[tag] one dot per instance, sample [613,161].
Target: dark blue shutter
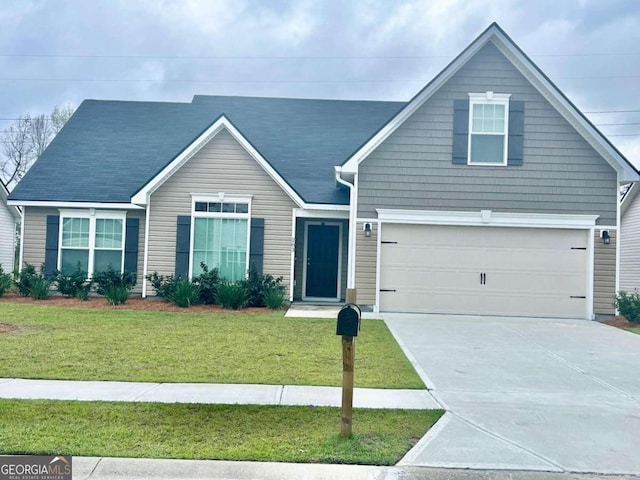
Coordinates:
[460,131]
[131,245]
[256,246]
[515,154]
[51,245]
[183,242]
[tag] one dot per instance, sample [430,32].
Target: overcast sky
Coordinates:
[57,52]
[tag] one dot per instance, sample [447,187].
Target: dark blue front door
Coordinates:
[323,248]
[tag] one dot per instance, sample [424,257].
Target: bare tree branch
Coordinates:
[25,140]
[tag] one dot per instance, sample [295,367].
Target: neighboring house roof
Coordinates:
[4,193]
[627,198]
[495,34]
[109,150]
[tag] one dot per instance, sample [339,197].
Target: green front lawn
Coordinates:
[145,346]
[194,431]
[634,330]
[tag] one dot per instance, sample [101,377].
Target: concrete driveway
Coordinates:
[524,393]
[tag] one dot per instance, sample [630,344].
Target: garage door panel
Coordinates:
[527,272]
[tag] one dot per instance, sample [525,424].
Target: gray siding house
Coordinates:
[487,193]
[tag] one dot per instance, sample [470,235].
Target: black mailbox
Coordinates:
[349,320]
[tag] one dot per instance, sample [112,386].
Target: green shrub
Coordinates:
[40,288]
[207,283]
[163,285]
[233,296]
[628,304]
[74,285]
[5,281]
[116,294]
[274,297]
[258,284]
[115,286]
[185,293]
[25,279]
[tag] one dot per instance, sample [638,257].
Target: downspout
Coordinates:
[351,271]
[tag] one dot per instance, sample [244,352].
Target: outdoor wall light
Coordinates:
[606,238]
[367,230]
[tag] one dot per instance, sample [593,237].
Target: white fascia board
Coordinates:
[304,213]
[351,165]
[222,123]
[626,173]
[487,218]
[627,200]
[98,205]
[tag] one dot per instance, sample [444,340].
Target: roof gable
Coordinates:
[495,35]
[4,193]
[110,150]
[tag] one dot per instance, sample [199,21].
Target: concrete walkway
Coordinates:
[92,468]
[212,393]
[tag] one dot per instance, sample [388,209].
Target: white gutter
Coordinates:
[351,283]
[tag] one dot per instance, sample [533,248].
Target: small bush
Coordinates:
[40,288]
[233,296]
[628,304]
[274,297]
[185,293]
[74,285]
[116,294]
[25,279]
[257,286]
[207,283]
[114,285]
[163,285]
[5,281]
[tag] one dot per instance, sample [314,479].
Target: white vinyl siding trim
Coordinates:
[241,218]
[488,119]
[7,238]
[71,243]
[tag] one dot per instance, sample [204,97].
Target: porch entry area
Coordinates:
[320,260]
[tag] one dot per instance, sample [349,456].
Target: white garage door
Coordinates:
[483,270]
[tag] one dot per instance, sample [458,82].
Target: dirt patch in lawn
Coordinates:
[620,322]
[8,328]
[134,303]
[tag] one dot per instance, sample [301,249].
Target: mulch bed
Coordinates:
[134,303]
[620,322]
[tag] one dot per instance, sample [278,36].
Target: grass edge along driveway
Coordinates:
[214,432]
[148,346]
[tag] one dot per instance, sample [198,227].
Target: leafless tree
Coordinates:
[25,140]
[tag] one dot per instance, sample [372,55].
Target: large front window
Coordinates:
[94,241]
[488,128]
[221,236]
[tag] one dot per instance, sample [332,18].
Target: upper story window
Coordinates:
[220,235]
[93,240]
[488,128]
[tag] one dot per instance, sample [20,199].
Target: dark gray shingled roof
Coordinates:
[109,150]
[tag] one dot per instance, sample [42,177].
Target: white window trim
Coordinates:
[222,198]
[489,98]
[92,214]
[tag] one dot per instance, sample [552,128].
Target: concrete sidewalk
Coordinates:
[91,468]
[18,388]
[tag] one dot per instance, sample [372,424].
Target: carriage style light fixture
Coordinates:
[606,238]
[367,230]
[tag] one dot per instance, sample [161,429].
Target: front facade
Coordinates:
[488,193]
